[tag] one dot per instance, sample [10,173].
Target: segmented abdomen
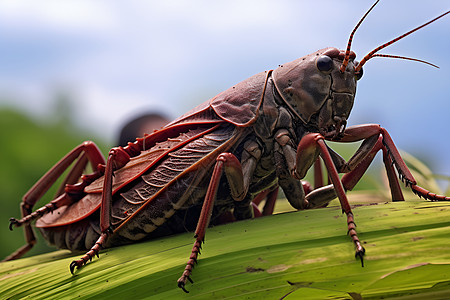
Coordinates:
[176,182]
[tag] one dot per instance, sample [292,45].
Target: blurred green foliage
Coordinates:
[28,149]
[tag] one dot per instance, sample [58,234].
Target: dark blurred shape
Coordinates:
[138,127]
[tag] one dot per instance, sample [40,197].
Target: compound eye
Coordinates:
[360,72]
[324,64]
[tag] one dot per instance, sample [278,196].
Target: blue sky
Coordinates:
[118,58]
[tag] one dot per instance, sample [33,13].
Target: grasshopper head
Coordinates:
[320,88]
[317,91]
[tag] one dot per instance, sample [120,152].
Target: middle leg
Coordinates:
[228,164]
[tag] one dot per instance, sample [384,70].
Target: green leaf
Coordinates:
[422,280]
[304,254]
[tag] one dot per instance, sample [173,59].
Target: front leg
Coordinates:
[375,139]
[310,147]
[285,164]
[289,171]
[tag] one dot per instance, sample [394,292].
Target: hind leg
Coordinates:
[77,155]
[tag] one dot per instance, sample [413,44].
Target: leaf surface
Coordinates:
[304,254]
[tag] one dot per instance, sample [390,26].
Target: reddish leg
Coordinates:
[310,146]
[359,163]
[75,173]
[260,197]
[350,179]
[226,163]
[375,139]
[270,195]
[396,191]
[271,198]
[117,158]
[318,176]
[78,154]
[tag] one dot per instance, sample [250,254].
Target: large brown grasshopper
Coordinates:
[263,133]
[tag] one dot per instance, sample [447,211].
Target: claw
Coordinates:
[360,254]
[182,287]
[72,266]
[181,284]
[12,222]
